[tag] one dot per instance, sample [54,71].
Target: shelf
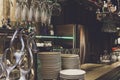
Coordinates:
[56,37]
[6,32]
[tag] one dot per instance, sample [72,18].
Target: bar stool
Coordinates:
[74,74]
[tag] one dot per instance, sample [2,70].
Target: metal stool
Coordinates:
[72,74]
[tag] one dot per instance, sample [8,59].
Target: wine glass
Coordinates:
[56,8]
[12,57]
[25,65]
[1,68]
[24,13]
[31,13]
[9,64]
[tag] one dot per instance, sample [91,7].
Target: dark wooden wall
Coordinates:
[74,12]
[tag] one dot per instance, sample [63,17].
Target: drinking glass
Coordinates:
[26,64]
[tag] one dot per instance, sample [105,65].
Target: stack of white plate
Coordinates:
[50,64]
[70,61]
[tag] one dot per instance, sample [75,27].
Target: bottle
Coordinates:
[114,57]
[105,7]
[118,57]
[101,58]
[51,31]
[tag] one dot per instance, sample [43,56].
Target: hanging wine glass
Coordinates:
[43,13]
[56,8]
[18,11]
[49,15]
[24,13]
[37,14]
[31,13]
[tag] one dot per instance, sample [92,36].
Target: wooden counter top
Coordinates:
[101,71]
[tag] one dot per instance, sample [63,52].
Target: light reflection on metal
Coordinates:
[56,37]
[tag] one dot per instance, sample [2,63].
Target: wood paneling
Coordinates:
[66,30]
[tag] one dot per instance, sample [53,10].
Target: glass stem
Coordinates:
[22,76]
[7,77]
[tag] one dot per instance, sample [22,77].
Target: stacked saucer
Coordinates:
[72,74]
[50,64]
[70,61]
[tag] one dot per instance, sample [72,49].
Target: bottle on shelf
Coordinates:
[113,57]
[51,31]
[118,57]
[105,57]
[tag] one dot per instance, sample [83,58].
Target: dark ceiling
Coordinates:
[76,12]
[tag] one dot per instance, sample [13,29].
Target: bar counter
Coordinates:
[102,71]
